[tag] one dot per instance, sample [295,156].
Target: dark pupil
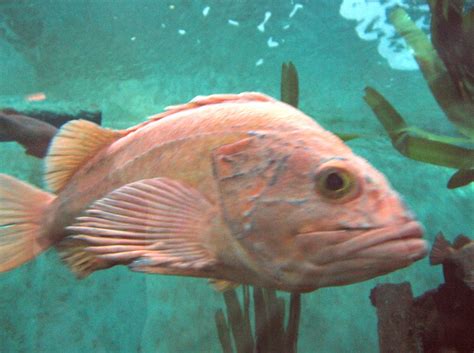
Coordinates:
[334,182]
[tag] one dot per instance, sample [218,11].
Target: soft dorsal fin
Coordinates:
[200,101]
[460,241]
[75,143]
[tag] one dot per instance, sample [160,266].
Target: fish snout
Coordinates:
[389,208]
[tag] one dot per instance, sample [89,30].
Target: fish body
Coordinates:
[457,259]
[236,188]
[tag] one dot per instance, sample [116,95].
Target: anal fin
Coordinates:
[81,262]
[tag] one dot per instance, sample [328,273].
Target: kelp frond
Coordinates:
[447,64]
[289,86]
[405,140]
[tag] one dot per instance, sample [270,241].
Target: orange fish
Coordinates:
[238,188]
[36,97]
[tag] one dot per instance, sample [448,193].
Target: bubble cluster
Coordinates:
[373,23]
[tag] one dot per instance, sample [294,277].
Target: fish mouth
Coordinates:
[353,254]
[397,241]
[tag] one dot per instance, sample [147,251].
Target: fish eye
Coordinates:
[335,183]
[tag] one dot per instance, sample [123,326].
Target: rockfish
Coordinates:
[238,188]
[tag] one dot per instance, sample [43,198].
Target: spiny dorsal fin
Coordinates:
[200,101]
[440,251]
[72,147]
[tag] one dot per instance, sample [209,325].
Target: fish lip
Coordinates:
[353,242]
[376,236]
[410,229]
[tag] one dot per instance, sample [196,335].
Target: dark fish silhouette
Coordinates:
[34,130]
[34,135]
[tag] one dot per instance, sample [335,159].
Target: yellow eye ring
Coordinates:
[335,183]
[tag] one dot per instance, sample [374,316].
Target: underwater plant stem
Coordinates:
[275,318]
[223,332]
[293,323]
[261,318]
[235,317]
[246,325]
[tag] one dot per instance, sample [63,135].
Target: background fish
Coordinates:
[240,188]
[33,134]
[457,259]
[34,130]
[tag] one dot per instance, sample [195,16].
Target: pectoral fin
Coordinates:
[154,225]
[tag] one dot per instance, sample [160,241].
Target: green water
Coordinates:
[132,58]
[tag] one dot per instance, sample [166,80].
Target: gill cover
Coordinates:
[244,171]
[252,176]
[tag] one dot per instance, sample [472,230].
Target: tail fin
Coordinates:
[22,214]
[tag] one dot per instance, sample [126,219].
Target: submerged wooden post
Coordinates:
[395,322]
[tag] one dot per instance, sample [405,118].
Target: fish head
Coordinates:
[354,227]
[312,214]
